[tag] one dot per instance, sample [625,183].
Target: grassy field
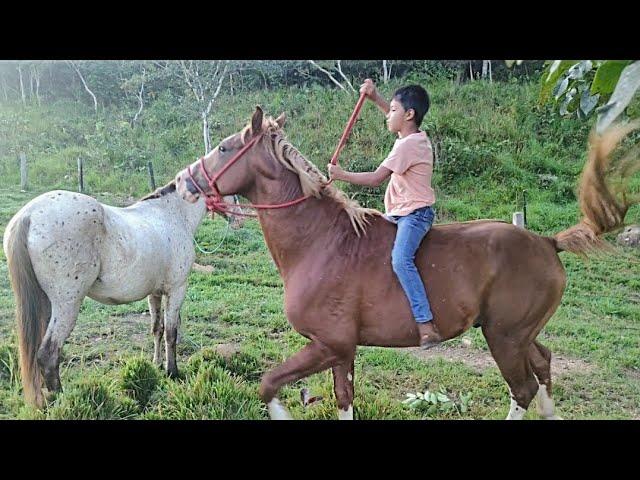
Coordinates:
[492,144]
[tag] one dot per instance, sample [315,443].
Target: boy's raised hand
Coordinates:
[369,89]
[334,171]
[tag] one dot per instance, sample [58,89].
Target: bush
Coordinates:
[209,393]
[9,368]
[139,379]
[91,399]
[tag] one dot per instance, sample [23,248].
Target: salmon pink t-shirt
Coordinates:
[411,161]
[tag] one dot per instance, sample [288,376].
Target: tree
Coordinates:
[22,94]
[86,87]
[338,68]
[202,77]
[578,87]
[134,85]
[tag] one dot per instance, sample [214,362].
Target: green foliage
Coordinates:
[579,86]
[209,393]
[91,399]
[139,379]
[607,75]
[9,368]
[492,141]
[551,76]
[435,403]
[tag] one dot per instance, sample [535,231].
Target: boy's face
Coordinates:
[398,116]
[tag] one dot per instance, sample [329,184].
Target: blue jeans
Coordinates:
[411,230]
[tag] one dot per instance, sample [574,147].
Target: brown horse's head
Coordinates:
[239,177]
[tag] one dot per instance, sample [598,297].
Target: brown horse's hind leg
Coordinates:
[343,388]
[540,359]
[155,309]
[313,358]
[512,357]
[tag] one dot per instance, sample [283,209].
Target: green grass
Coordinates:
[492,144]
[241,303]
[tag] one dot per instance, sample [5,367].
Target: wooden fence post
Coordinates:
[152,179]
[80,176]
[518,219]
[23,172]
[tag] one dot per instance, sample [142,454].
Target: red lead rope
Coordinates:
[214,200]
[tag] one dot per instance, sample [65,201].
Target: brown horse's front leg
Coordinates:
[313,358]
[343,389]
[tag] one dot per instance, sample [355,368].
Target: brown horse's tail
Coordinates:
[33,309]
[603,195]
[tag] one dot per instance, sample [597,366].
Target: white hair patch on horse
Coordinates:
[277,411]
[345,414]
[546,407]
[516,412]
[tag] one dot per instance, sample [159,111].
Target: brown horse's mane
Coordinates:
[312,180]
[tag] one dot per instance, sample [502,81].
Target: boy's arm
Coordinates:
[369,88]
[380,102]
[368,179]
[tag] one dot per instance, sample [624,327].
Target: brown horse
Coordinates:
[340,289]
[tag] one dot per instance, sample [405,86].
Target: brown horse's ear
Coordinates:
[281,119]
[256,121]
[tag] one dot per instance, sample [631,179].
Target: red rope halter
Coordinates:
[214,200]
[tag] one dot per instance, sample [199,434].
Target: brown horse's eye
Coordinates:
[222,149]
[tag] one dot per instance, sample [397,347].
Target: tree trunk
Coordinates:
[490,74]
[205,133]
[205,114]
[343,75]
[36,74]
[385,73]
[141,101]
[199,85]
[4,88]
[485,69]
[140,96]
[95,101]
[331,77]
[24,99]
[31,84]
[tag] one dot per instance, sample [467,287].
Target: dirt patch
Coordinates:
[480,360]
[196,267]
[633,373]
[227,350]
[115,334]
[137,327]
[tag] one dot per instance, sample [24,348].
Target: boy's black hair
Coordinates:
[415,97]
